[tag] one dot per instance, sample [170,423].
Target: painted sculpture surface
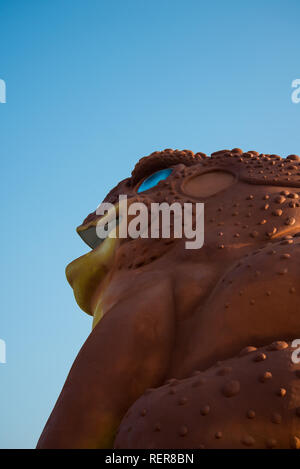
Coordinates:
[191,348]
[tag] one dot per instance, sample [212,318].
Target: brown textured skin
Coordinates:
[250,401]
[170,311]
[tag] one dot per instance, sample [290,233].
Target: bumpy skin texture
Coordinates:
[249,401]
[173,313]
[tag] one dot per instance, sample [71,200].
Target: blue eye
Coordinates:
[154,179]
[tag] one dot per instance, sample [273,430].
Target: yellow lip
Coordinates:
[86,273]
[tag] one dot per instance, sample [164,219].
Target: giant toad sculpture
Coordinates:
[191,348]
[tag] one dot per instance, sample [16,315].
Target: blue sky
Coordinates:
[92,86]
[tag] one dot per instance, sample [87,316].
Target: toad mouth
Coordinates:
[88,275]
[89,272]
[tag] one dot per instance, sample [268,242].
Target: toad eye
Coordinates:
[154,179]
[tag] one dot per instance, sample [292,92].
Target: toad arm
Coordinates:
[126,353]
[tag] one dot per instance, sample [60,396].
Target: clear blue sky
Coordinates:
[92,86]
